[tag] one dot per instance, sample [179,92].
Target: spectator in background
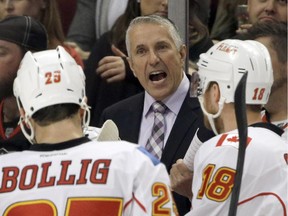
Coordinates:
[199,39]
[47,12]
[67,9]
[262,11]
[1,11]
[202,11]
[92,19]
[109,77]
[268,10]
[18,34]
[222,22]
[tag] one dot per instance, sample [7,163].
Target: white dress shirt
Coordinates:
[173,102]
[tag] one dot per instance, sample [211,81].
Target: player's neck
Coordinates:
[58,132]
[277,106]
[229,119]
[280,115]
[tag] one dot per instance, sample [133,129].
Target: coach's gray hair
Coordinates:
[157,20]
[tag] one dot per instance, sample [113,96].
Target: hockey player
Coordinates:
[264,181]
[65,173]
[274,36]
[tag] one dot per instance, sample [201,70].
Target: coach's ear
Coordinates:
[183,53]
[131,64]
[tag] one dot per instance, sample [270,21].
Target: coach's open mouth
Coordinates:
[157,76]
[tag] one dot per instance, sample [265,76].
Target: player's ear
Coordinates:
[212,97]
[214,92]
[216,96]
[217,92]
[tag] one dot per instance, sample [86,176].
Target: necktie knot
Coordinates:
[159,107]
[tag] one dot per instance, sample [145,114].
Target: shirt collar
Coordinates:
[269,126]
[174,101]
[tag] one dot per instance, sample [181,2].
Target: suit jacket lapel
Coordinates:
[185,120]
[134,117]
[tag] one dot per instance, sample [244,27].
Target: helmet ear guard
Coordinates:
[48,78]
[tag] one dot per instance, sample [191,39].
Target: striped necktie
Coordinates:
[155,143]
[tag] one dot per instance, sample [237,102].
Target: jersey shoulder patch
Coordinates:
[154,160]
[230,140]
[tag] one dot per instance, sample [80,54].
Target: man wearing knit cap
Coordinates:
[18,34]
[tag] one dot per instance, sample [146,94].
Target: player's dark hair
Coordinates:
[253,108]
[277,31]
[55,113]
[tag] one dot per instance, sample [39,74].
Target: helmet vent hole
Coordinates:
[61,66]
[242,70]
[266,65]
[39,95]
[252,65]
[211,53]
[204,63]
[228,86]
[32,109]
[71,90]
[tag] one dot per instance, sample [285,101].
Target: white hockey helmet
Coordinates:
[48,78]
[225,64]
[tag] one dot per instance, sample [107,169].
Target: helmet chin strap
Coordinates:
[210,116]
[86,116]
[26,119]
[30,137]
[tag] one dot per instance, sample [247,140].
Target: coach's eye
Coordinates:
[140,51]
